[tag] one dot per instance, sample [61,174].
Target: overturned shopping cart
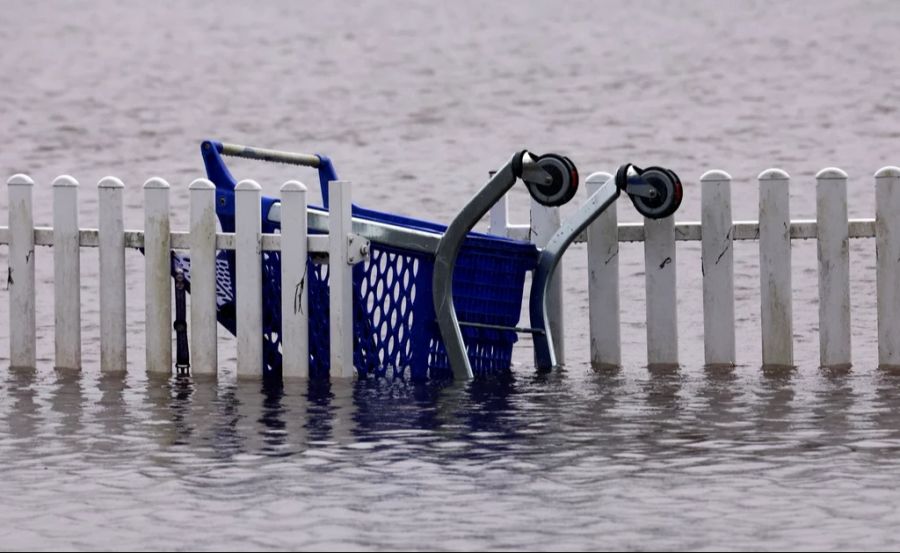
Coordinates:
[433,301]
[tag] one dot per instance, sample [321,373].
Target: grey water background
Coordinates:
[416,102]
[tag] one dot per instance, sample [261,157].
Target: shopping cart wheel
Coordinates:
[564,184]
[659,193]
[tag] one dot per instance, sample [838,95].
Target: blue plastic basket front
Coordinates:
[395,330]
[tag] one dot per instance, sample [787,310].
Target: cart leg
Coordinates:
[445,260]
[544,353]
[523,165]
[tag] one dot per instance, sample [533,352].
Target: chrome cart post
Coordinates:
[548,261]
[523,165]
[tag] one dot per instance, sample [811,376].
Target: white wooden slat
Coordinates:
[887,244]
[603,282]
[499,217]
[834,268]
[776,309]
[204,342]
[66,274]
[662,304]
[248,276]
[294,292]
[158,277]
[545,221]
[20,277]
[718,269]
[340,279]
[111,243]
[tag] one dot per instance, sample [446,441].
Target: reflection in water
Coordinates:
[384,406]
[884,432]
[21,402]
[590,454]
[273,421]
[111,405]
[66,399]
[663,389]
[835,400]
[775,397]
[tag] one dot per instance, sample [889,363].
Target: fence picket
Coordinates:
[499,217]
[603,282]
[340,279]
[834,268]
[776,312]
[157,270]
[20,279]
[248,276]
[294,293]
[887,244]
[662,303]
[718,268]
[111,242]
[66,274]
[204,347]
[545,221]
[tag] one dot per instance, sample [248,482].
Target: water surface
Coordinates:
[416,102]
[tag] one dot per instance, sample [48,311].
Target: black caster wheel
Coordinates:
[656,195]
[564,182]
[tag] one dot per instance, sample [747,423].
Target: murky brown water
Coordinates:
[415,103]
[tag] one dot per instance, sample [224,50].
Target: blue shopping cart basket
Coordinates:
[402,320]
[395,330]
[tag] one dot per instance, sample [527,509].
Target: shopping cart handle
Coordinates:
[265,154]
[214,153]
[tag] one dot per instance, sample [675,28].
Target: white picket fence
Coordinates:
[774,231]
[157,240]
[717,231]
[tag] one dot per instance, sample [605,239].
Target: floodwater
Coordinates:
[415,103]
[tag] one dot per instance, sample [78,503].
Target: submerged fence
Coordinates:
[716,231]
[157,241]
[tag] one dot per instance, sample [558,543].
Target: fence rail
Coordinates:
[716,232]
[692,231]
[688,231]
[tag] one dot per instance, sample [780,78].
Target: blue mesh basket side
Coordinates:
[319,344]
[395,332]
[393,296]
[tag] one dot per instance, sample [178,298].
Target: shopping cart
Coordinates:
[432,301]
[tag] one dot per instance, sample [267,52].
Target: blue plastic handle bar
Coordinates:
[221,177]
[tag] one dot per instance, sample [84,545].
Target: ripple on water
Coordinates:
[415,109]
